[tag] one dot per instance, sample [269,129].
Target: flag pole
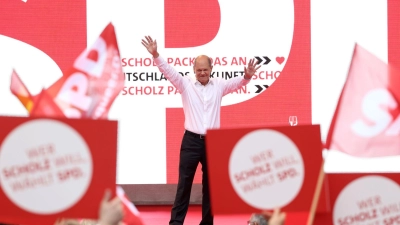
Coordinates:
[317,193]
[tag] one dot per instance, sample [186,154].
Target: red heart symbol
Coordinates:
[280,60]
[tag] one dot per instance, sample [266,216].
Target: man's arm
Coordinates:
[236,83]
[169,72]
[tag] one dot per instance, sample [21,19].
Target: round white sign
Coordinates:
[368,200]
[266,169]
[45,166]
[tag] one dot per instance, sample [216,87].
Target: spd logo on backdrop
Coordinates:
[279,47]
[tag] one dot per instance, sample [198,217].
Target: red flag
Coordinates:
[366,122]
[131,214]
[91,85]
[89,88]
[20,91]
[45,106]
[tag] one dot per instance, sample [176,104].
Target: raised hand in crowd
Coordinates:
[111,212]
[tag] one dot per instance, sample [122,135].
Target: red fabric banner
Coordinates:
[20,91]
[89,87]
[366,122]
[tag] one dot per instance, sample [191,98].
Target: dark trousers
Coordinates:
[192,152]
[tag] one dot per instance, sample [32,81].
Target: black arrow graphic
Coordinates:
[267,60]
[259,60]
[260,88]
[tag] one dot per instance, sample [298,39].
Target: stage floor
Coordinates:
[160,215]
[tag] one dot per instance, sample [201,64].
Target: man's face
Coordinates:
[202,69]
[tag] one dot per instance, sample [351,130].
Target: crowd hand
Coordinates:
[67,222]
[75,222]
[251,69]
[111,211]
[150,45]
[275,218]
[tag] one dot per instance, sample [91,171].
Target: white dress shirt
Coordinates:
[201,103]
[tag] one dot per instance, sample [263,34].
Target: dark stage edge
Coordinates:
[158,194]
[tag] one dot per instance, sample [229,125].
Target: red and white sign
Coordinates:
[363,199]
[367,121]
[254,169]
[54,168]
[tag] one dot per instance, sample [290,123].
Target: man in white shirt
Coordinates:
[201,98]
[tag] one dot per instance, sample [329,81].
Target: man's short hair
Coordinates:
[208,58]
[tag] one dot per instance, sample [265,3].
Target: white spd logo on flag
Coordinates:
[366,122]
[87,89]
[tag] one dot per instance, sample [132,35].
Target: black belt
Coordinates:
[201,136]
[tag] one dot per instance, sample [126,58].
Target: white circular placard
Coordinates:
[45,166]
[368,200]
[266,169]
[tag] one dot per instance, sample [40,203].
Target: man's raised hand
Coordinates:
[150,45]
[251,69]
